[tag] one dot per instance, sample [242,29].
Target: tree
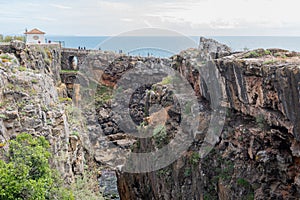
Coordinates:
[27,174]
[9,38]
[20,38]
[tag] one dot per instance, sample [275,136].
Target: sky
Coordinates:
[189,17]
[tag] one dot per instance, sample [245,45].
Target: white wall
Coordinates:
[35,38]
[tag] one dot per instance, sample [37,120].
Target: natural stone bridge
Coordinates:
[72,58]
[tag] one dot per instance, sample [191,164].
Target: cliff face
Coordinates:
[255,156]
[257,153]
[33,100]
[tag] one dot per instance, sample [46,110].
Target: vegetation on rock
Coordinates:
[26,173]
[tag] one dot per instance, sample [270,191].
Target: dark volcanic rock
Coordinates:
[257,156]
[214,48]
[258,152]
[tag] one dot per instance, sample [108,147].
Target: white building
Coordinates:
[35,36]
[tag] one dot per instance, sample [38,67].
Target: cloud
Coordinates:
[46,19]
[126,20]
[109,17]
[148,24]
[112,5]
[61,6]
[226,14]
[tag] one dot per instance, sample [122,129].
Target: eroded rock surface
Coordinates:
[256,156]
[257,153]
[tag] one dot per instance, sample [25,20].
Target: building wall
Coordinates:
[35,38]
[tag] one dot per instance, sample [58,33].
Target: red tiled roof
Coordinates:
[35,31]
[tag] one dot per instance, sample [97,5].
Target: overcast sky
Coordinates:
[190,17]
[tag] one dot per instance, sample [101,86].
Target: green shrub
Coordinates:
[22,68]
[84,186]
[195,158]
[9,38]
[160,135]
[68,71]
[187,172]
[242,182]
[280,55]
[27,174]
[34,81]
[252,54]
[260,120]
[267,52]
[5,56]
[104,94]
[188,108]
[63,99]
[269,62]
[167,80]
[3,116]
[75,133]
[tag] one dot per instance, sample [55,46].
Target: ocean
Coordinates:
[166,46]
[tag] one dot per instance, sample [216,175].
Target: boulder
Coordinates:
[18,45]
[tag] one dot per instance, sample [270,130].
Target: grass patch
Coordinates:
[160,135]
[64,99]
[242,182]
[187,172]
[167,80]
[188,108]
[22,68]
[74,115]
[252,54]
[104,95]
[6,57]
[75,133]
[260,120]
[258,53]
[47,61]
[269,62]
[195,158]
[84,188]
[280,55]
[2,104]
[68,71]
[267,52]
[2,116]
[34,81]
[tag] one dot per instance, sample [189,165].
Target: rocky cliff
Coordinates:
[34,100]
[254,156]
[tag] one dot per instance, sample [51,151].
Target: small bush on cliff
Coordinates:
[260,120]
[252,54]
[167,80]
[85,188]
[195,158]
[27,173]
[160,135]
[269,62]
[104,94]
